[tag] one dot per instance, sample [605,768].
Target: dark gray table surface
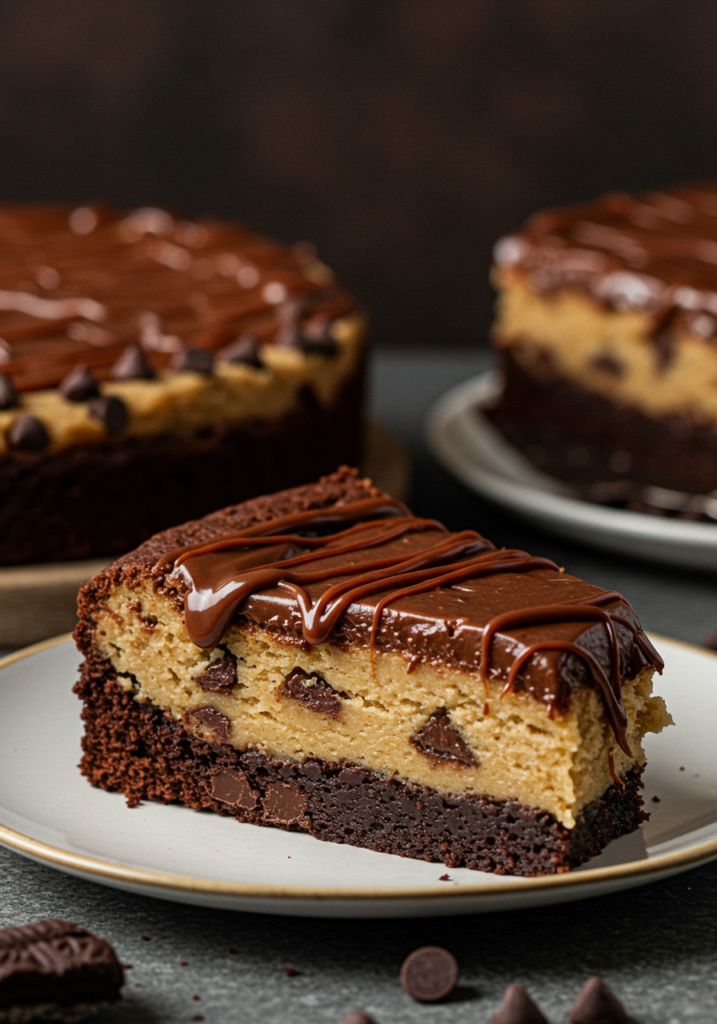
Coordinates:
[656,946]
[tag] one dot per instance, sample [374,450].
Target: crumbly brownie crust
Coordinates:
[134,748]
[579,436]
[90,500]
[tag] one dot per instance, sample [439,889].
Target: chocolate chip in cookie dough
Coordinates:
[220,676]
[313,691]
[28,434]
[214,726]
[195,360]
[440,739]
[8,394]
[244,350]
[111,411]
[596,1004]
[429,974]
[55,969]
[133,365]
[80,384]
[518,1008]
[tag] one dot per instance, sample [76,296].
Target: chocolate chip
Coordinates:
[232,787]
[195,360]
[284,803]
[244,350]
[440,739]
[313,691]
[8,394]
[429,974]
[28,434]
[596,1004]
[212,724]
[358,1017]
[318,342]
[518,1008]
[79,384]
[111,411]
[290,972]
[133,365]
[220,677]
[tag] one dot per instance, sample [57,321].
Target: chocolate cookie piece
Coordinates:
[429,974]
[596,1004]
[518,1008]
[55,969]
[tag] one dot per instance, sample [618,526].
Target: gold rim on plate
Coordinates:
[186,883]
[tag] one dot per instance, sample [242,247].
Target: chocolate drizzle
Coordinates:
[655,252]
[70,296]
[378,548]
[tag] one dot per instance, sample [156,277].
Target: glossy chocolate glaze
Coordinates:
[368,571]
[78,286]
[655,252]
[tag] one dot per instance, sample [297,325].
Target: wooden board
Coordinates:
[39,601]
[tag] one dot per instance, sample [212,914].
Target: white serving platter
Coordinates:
[470,447]
[49,812]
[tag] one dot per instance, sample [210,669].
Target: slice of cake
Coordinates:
[607,330]
[322,660]
[154,368]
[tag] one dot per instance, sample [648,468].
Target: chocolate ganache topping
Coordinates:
[327,562]
[655,252]
[79,286]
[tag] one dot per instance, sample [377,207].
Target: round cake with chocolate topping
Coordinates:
[155,368]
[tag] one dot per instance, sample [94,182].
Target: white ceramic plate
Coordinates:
[49,813]
[471,448]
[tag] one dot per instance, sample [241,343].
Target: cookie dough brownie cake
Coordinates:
[607,331]
[322,660]
[154,368]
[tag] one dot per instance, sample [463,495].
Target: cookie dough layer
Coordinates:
[181,404]
[557,764]
[614,354]
[134,747]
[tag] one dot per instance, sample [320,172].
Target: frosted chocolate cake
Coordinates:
[322,660]
[154,368]
[607,332]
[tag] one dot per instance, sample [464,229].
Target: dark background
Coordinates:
[403,136]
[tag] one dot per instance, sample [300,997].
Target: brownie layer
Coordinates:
[134,748]
[94,500]
[579,436]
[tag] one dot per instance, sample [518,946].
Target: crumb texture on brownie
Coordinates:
[482,694]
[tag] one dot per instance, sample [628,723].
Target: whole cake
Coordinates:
[607,331]
[154,368]
[322,660]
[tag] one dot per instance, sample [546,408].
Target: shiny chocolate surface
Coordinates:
[368,572]
[79,286]
[656,251]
